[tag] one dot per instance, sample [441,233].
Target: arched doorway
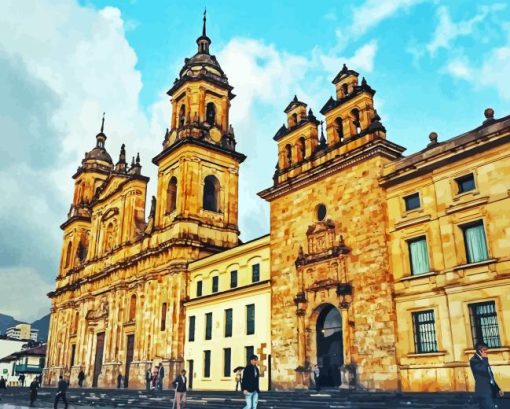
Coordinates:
[330,354]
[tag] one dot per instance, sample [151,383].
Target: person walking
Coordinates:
[250,383]
[161,375]
[61,392]
[180,385]
[119,380]
[3,383]
[486,388]
[81,377]
[34,385]
[238,379]
[316,377]
[148,379]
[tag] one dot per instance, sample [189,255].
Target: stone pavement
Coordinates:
[14,398]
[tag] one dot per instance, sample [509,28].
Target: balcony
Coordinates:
[27,368]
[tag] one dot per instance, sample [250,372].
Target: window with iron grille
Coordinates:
[191,333]
[228,322]
[484,323]
[233,279]
[424,332]
[208,325]
[250,319]
[215,284]
[207,364]
[255,273]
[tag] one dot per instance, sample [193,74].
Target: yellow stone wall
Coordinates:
[452,284]
[241,259]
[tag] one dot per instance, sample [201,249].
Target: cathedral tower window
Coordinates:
[355,120]
[82,252]
[211,193]
[182,116]
[288,151]
[68,255]
[301,148]
[132,308]
[345,90]
[294,119]
[339,128]
[75,323]
[210,115]
[171,195]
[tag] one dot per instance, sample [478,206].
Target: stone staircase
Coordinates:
[326,399]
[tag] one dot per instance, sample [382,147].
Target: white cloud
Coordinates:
[69,64]
[370,14]
[447,31]
[459,68]
[494,71]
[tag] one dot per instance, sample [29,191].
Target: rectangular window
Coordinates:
[208,325]
[484,324]
[255,273]
[465,183]
[412,201]
[73,353]
[215,284]
[227,352]
[199,288]
[191,333]
[474,241]
[250,319]
[207,364]
[249,353]
[233,279]
[163,316]
[424,332]
[418,255]
[228,322]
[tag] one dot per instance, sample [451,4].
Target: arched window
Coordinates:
[163,316]
[82,252]
[288,151]
[182,116]
[132,308]
[109,239]
[171,195]
[294,119]
[211,193]
[210,114]
[339,128]
[355,120]
[68,255]
[345,90]
[301,148]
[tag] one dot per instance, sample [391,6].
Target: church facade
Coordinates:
[382,269]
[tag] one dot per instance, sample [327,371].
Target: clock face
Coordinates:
[215,134]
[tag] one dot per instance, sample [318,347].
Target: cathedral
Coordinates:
[382,269]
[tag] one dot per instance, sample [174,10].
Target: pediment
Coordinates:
[112,185]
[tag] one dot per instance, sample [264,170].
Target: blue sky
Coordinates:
[435,65]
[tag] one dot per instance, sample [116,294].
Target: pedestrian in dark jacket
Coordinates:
[486,388]
[61,392]
[119,380]
[81,377]
[250,383]
[180,385]
[3,383]
[161,375]
[34,385]
[148,379]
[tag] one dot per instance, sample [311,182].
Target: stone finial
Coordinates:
[489,115]
[433,139]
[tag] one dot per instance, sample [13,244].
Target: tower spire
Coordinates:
[205,20]
[102,124]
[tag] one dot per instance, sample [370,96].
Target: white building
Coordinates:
[22,331]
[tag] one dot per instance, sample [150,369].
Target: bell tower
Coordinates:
[197,196]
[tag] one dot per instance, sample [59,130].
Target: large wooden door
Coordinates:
[98,361]
[129,357]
